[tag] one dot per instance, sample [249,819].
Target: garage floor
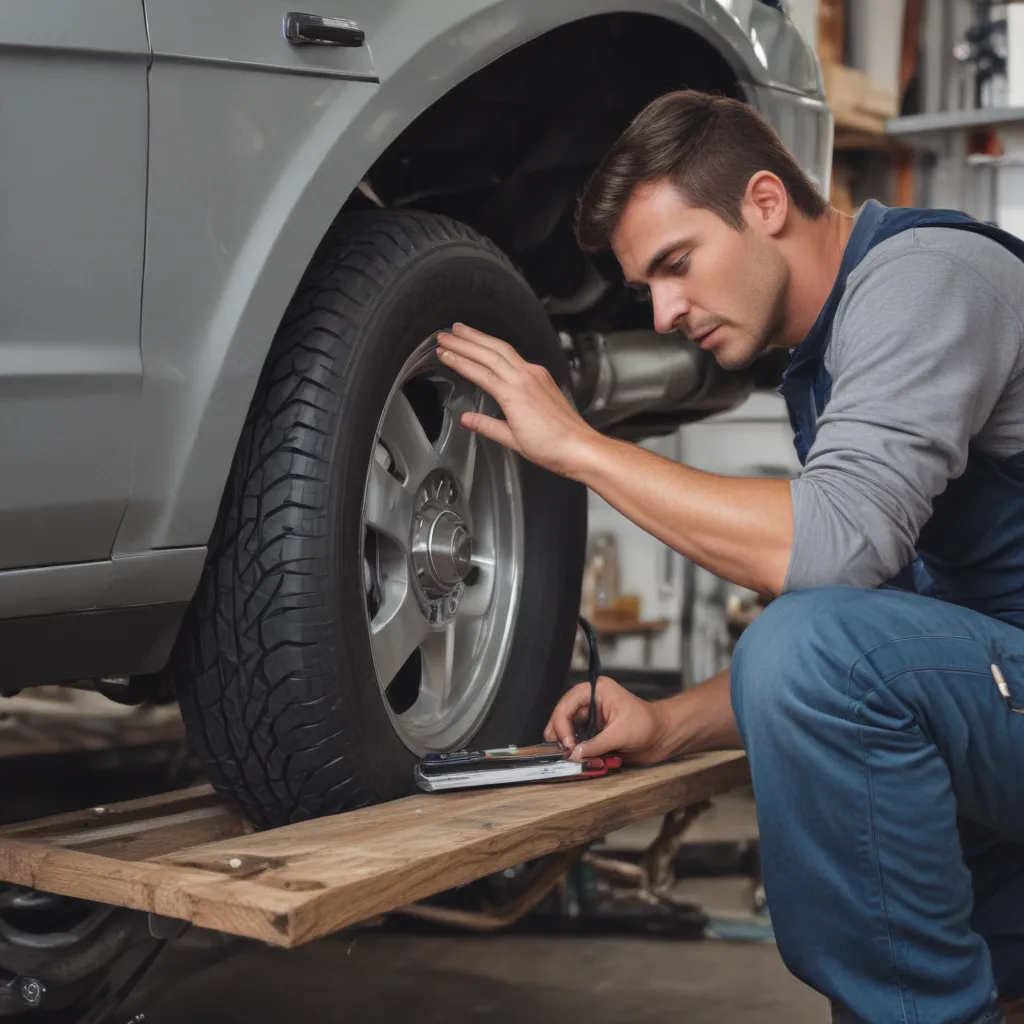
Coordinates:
[372,977]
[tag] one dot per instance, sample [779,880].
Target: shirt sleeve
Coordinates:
[922,348]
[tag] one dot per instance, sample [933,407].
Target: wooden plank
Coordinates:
[851,141]
[78,827]
[858,103]
[290,885]
[54,720]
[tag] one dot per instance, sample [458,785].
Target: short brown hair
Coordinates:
[708,146]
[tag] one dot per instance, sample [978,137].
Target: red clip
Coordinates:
[597,766]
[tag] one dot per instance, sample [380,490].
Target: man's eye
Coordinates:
[681,264]
[640,294]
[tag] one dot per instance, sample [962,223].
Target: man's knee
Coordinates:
[795,658]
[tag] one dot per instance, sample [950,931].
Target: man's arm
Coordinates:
[700,719]
[739,529]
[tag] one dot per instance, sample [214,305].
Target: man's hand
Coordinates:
[540,422]
[739,529]
[629,726]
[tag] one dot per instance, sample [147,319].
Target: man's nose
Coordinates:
[669,309]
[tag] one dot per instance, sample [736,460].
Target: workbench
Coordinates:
[186,855]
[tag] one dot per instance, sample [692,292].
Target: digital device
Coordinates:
[503,766]
[470,778]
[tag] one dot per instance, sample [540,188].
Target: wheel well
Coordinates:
[508,150]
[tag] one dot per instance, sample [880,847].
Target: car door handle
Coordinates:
[303,29]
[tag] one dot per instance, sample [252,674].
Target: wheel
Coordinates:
[381,583]
[67,961]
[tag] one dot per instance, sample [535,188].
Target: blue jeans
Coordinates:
[889,781]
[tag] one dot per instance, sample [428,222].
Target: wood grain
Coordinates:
[290,885]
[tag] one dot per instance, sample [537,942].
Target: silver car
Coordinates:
[232,468]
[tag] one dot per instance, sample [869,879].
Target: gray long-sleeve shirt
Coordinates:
[926,356]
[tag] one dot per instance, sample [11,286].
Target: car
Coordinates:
[234,471]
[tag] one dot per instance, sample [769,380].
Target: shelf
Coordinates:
[953,120]
[847,140]
[628,627]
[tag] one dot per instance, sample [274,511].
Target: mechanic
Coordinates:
[877,695]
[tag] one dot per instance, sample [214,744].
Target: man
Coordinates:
[881,724]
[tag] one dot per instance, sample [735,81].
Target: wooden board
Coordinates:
[59,720]
[186,855]
[858,104]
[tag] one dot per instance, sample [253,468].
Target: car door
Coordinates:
[72,226]
[239,116]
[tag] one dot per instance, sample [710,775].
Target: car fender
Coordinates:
[248,168]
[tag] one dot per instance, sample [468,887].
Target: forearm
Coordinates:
[699,719]
[738,528]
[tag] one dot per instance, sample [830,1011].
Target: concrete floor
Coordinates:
[374,978]
[380,978]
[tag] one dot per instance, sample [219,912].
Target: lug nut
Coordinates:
[32,991]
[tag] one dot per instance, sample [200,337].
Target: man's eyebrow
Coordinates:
[659,257]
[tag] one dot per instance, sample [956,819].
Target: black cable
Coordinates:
[594,670]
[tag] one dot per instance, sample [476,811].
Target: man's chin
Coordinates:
[732,360]
[738,356]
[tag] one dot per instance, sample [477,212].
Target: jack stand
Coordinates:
[606,895]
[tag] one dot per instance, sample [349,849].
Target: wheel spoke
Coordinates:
[457,447]
[406,440]
[438,654]
[477,599]
[389,505]
[396,631]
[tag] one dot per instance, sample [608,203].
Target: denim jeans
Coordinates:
[888,775]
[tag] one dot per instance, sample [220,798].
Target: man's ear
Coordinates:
[766,203]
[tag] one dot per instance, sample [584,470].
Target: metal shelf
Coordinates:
[953,120]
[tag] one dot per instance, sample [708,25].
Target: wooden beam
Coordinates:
[831,31]
[290,885]
[909,50]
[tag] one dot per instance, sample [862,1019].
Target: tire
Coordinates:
[73,960]
[275,668]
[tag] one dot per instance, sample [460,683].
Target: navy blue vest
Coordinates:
[971,550]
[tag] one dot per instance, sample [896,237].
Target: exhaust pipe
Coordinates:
[624,373]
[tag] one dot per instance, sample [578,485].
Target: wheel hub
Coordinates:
[443,557]
[441,548]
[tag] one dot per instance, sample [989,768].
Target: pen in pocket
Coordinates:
[997,675]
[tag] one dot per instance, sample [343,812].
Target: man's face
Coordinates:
[725,289]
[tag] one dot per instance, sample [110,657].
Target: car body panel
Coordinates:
[805,124]
[72,228]
[249,167]
[767,42]
[128,581]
